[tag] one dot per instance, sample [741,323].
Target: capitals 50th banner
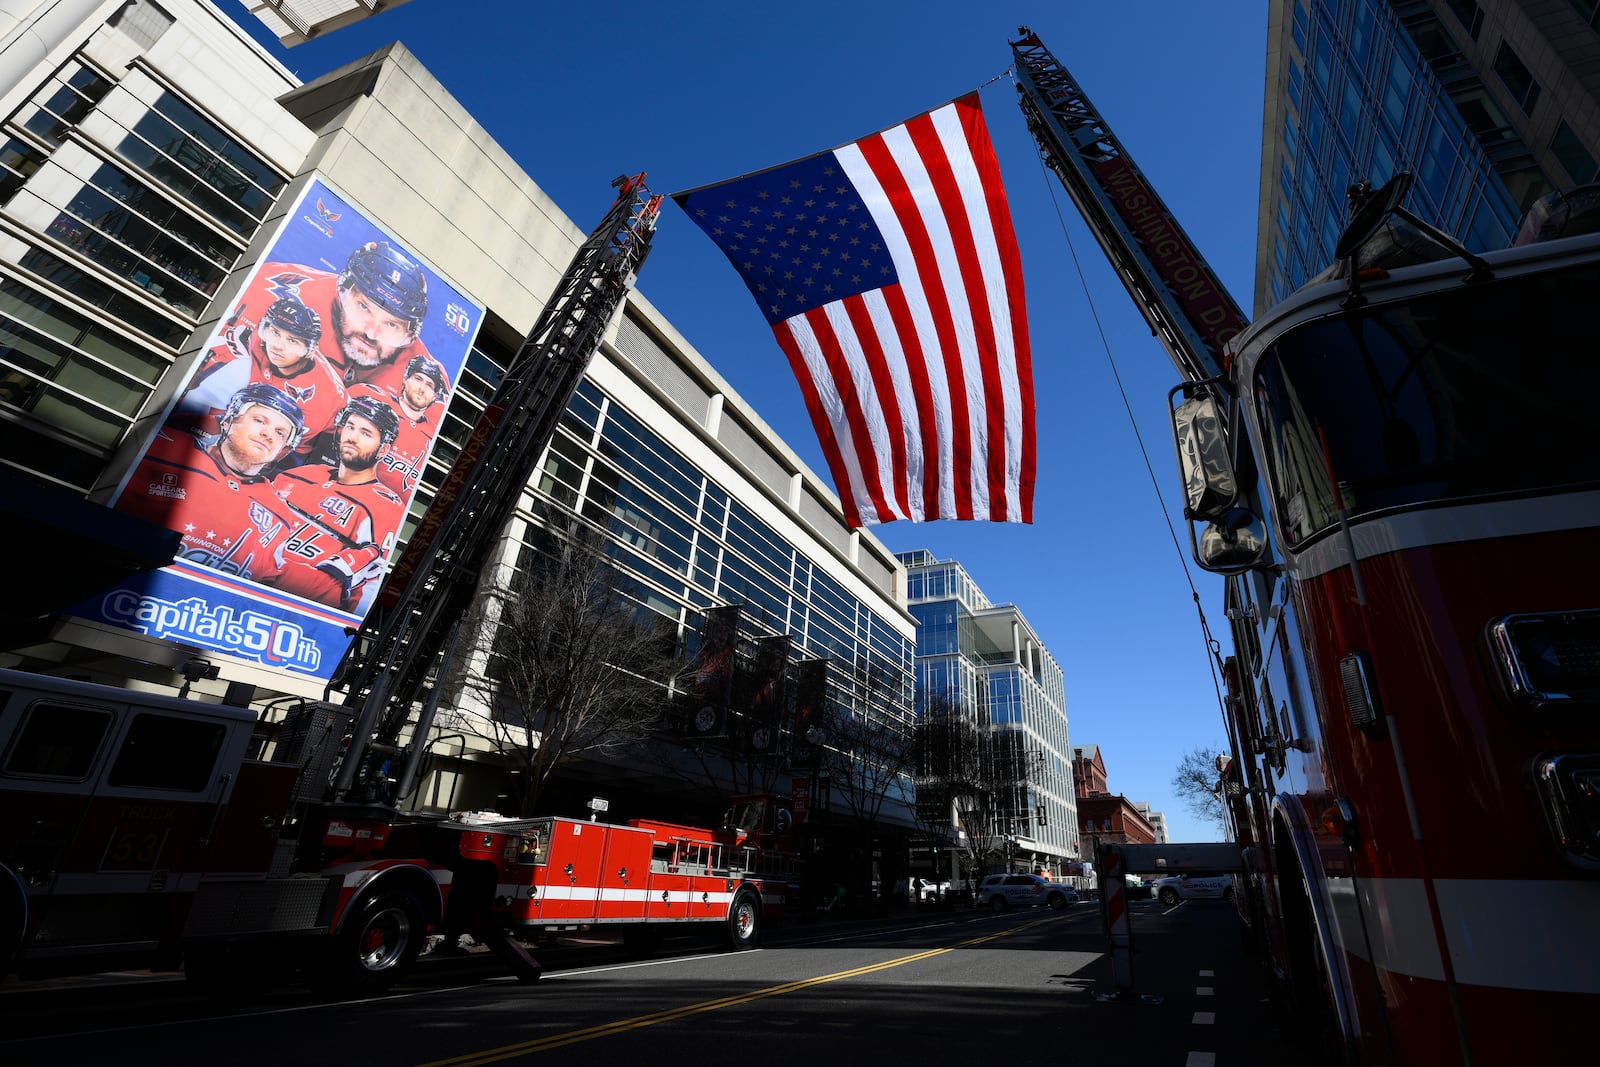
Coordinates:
[291,455]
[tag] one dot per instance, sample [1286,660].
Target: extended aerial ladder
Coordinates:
[1188,310]
[434,581]
[1170,282]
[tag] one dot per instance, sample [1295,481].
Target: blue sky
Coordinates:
[579,94]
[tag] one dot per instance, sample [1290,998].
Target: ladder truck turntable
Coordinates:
[139,829]
[1392,471]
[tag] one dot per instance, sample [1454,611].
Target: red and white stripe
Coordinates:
[922,391]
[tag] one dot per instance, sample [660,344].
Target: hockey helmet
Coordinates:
[389,279]
[374,411]
[430,368]
[267,396]
[290,316]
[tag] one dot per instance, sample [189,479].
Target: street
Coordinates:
[968,986]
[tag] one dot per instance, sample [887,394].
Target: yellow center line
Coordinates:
[571,1037]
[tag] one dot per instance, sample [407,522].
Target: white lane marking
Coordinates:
[1201,1059]
[1208,974]
[1204,1018]
[1204,991]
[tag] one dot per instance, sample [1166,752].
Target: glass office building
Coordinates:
[1488,104]
[983,662]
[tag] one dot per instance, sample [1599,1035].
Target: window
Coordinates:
[1573,155]
[197,160]
[1436,415]
[168,752]
[18,161]
[58,741]
[91,290]
[1469,14]
[1516,77]
[63,102]
[125,227]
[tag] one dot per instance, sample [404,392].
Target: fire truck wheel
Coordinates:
[377,946]
[1318,1015]
[744,921]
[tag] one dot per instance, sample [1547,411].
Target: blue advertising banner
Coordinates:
[289,458]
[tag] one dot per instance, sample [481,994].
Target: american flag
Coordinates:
[889,272]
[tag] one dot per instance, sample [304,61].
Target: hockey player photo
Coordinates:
[213,489]
[420,404]
[281,350]
[374,309]
[346,342]
[345,519]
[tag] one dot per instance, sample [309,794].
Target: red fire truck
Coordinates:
[139,829]
[1393,471]
[649,876]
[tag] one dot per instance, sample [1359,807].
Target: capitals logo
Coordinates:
[325,219]
[266,523]
[458,319]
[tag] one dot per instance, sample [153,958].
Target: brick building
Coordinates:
[1103,815]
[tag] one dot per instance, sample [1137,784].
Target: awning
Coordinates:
[69,549]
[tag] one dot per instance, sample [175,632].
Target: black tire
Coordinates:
[1057,901]
[1317,1013]
[381,938]
[743,925]
[1227,895]
[999,903]
[1169,895]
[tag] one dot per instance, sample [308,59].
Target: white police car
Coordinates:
[1003,891]
[1178,887]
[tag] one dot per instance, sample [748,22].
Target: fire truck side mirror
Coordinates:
[1235,542]
[1199,432]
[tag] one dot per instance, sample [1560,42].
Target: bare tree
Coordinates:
[1198,783]
[572,665]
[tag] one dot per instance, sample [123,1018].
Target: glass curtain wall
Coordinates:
[1364,103]
[96,307]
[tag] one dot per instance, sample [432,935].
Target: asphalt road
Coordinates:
[968,987]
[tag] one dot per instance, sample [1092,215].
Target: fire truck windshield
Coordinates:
[746,815]
[1474,391]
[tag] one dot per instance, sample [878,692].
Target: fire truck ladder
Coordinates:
[1173,286]
[427,596]
[1191,314]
